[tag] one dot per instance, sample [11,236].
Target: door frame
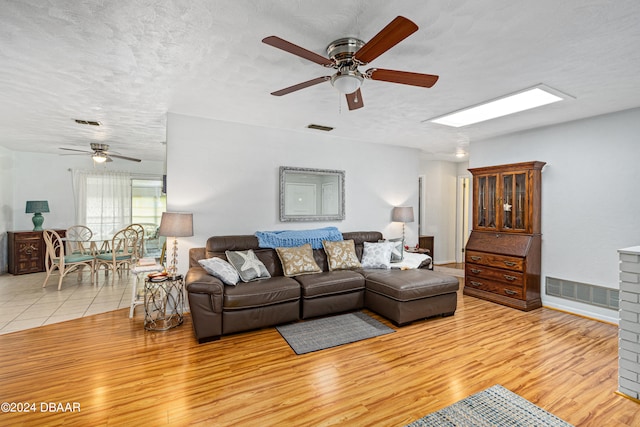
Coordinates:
[463,207]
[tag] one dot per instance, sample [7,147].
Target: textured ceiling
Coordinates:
[127,63]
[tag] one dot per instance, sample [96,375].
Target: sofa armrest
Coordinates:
[205,294]
[198,281]
[427,264]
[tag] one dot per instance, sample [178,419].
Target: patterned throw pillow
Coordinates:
[298,260]
[377,255]
[221,269]
[341,255]
[397,249]
[248,265]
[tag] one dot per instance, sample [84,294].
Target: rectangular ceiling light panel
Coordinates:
[510,104]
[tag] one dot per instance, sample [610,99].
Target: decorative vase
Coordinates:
[38,220]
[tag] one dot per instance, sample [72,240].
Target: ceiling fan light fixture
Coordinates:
[99,157]
[347,81]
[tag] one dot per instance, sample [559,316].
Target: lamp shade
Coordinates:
[37,206]
[402,214]
[176,224]
[99,157]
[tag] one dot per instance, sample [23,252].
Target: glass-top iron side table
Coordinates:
[163,302]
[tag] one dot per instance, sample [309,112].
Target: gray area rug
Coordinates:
[326,332]
[493,407]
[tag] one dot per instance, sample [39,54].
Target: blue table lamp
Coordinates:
[36,207]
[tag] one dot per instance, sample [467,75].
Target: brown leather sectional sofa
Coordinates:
[402,296]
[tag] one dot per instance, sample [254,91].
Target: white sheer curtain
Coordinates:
[103,200]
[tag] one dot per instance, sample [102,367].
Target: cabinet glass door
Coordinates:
[486,201]
[514,201]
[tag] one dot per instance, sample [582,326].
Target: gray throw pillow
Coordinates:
[248,265]
[221,269]
[376,255]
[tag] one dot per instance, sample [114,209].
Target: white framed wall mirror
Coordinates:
[311,194]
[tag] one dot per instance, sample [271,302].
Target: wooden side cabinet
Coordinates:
[426,242]
[502,256]
[26,251]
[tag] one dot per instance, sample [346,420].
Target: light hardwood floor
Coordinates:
[121,375]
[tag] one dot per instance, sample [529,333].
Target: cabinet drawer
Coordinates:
[494,260]
[512,278]
[494,287]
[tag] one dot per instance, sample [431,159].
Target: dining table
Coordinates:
[97,244]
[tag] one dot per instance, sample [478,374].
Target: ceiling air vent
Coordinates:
[87,122]
[320,127]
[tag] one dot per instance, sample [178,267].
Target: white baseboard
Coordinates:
[440,262]
[583,313]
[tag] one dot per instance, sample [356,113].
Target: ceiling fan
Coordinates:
[347,54]
[101,153]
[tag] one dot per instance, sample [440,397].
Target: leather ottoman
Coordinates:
[404,296]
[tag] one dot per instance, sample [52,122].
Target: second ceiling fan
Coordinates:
[347,54]
[100,153]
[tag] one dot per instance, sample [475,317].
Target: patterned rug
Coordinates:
[326,332]
[493,407]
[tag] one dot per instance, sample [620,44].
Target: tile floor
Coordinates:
[25,304]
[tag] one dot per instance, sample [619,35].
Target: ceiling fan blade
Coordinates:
[354,100]
[297,50]
[300,86]
[396,31]
[122,157]
[402,77]
[80,151]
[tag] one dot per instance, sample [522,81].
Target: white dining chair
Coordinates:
[55,258]
[78,238]
[138,228]
[123,253]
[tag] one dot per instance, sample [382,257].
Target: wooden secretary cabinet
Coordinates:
[502,256]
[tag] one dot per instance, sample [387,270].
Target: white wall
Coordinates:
[590,203]
[6,200]
[227,175]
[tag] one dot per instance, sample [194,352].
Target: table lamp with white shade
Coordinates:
[174,225]
[402,214]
